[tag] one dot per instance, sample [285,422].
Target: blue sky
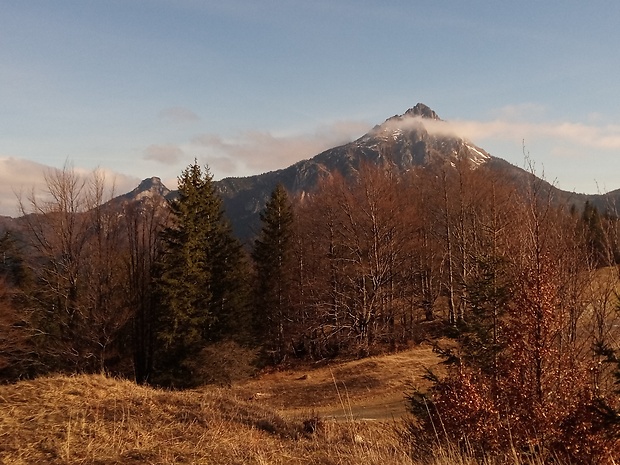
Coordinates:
[140,88]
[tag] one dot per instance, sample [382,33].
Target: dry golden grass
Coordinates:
[94,419]
[99,420]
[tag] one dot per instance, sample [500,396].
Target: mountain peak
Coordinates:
[149,187]
[423,111]
[150,183]
[419,111]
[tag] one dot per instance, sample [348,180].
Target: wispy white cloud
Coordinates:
[257,152]
[178,115]
[605,137]
[222,165]
[167,154]
[586,135]
[20,179]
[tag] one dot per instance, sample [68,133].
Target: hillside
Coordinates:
[94,419]
[368,389]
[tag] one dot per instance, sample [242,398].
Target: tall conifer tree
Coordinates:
[271,256]
[199,284]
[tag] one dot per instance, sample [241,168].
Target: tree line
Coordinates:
[524,289]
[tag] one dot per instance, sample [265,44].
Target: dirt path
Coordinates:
[386,408]
[367,389]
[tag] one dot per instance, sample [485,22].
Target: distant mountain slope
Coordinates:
[607,202]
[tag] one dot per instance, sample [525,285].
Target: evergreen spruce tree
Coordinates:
[271,255]
[199,283]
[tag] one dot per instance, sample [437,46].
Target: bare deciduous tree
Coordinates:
[75,258]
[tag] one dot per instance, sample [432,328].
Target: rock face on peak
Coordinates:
[148,188]
[422,110]
[152,185]
[150,192]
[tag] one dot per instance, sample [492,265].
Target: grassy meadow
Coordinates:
[348,413]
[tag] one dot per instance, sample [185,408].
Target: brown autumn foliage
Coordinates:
[360,281]
[516,277]
[538,390]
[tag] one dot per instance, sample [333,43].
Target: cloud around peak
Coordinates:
[502,134]
[254,152]
[511,125]
[20,179]
[167,154]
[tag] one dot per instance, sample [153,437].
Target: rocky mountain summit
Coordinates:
[148,188]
